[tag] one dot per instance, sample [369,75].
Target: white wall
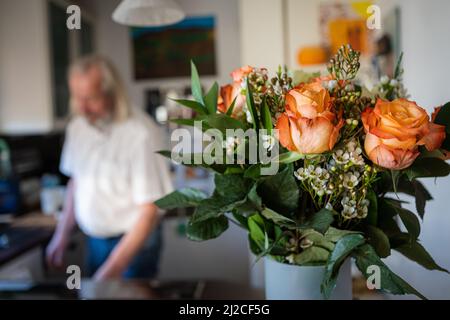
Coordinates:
[262,36]
[25,93]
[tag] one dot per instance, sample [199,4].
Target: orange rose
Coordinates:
[309,125]
[395,130]
[231,91]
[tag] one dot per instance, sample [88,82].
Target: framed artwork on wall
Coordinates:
[165,52]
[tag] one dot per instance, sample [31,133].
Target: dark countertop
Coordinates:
[23,234]
[134,290]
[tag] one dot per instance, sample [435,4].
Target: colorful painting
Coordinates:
[166,52]
[343,23]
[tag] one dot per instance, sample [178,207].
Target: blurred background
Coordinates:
[36,47]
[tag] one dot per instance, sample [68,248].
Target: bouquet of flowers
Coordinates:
[311,166]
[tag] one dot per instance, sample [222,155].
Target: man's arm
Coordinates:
[56,249]
[130,244]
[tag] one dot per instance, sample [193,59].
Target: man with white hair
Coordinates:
[115,176]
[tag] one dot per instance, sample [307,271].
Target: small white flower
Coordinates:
[351,180]
[331,84]
[341,157]
[301,174]
[268,142]
[348,212]
[384,80]
[328,206]
[393,82]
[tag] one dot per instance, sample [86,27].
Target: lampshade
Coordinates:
[142,13]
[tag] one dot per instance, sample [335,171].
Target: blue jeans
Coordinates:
[144,265]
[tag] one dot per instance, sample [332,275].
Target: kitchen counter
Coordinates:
[25,233]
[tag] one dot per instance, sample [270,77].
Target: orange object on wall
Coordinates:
[352,31]
[311,56]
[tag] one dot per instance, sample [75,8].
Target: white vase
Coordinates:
[290,282]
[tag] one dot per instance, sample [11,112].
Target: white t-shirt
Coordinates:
[115,170]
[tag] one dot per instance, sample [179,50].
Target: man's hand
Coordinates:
[55,250]
[57,246]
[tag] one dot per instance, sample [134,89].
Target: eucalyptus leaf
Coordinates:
[428,168]
[311,256]
[341,251]
[320,221]
[182,198]
[208,229]
[365,257]
[378,240]
[280,192]
[416,252]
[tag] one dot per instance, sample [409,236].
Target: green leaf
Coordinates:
[320,221]
[223,122]
[189,122]
[257,230]
[365,256]
[335,235]
[195,84]
[372,215]
[194,105]
[280,192]
[416,252]
[266,117]
[410,221]
[379,241]
[311,256]
[251,106]
[230,193]
[211,99]
[241,219]
[340,253]
[398,68]
[428,167]
[408,218]
[395,175]
[252,203]
[422,196]
[233,187]
[231,108]
[187,197]
[289,157]
[278,218]
[213,207]
[208,229]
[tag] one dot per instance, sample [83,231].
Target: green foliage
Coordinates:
[196,85]
[280,191]
[211,99]
[342,250]
[428,168]
[182,198]
[416,252]
[365,256]
[207,229]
